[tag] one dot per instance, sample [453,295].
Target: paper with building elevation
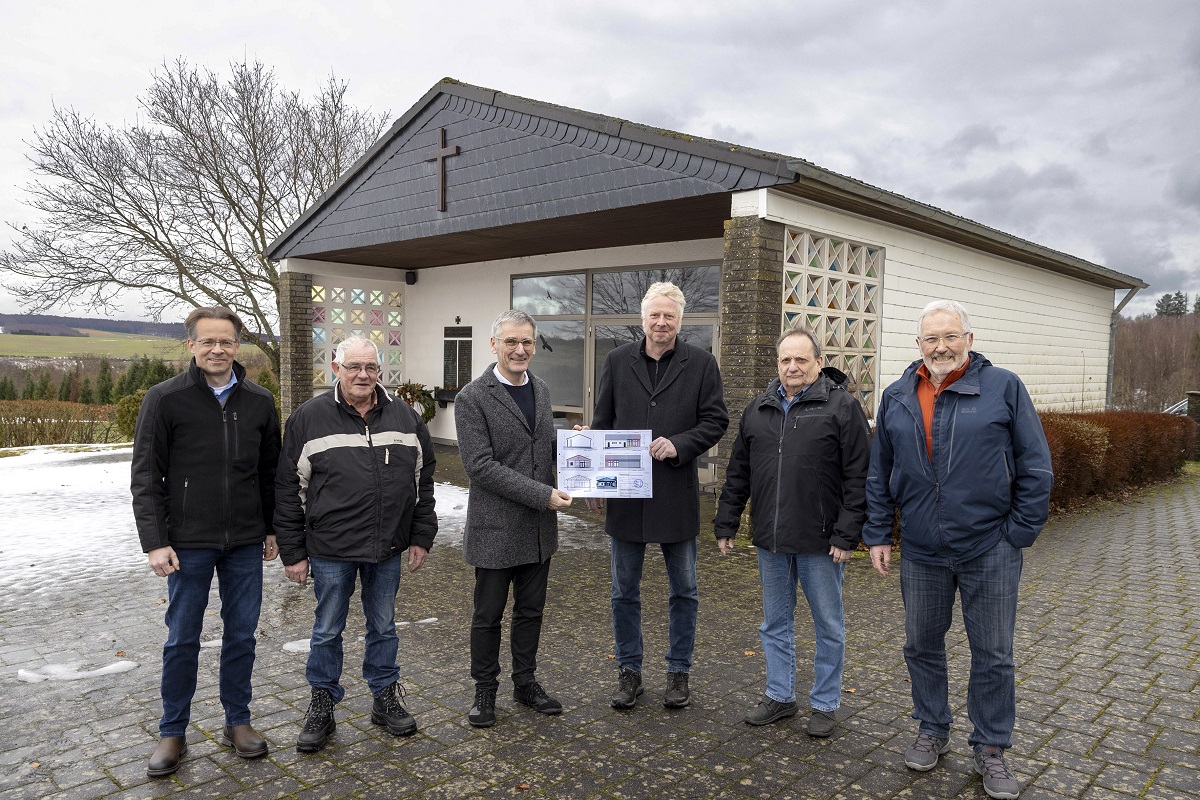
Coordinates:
[605,463]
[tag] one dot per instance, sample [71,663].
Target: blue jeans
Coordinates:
[821,580]
[683,605]
[987,585]
[333,583]
[239,583]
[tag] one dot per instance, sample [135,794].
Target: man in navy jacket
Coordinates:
[203,483]
[959,449]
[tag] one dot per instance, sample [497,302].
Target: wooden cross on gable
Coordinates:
[443,153]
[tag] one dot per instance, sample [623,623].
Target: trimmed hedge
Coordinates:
[25,423]
[1106,452]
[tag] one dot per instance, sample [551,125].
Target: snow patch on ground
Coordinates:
[71,672]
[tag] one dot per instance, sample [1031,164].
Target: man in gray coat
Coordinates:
[506,439]
[674,390]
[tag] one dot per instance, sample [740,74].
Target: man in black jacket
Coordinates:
[203,483]
[674,390]
[801,458]
[354,490]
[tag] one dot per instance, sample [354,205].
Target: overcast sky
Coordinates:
[1072,123]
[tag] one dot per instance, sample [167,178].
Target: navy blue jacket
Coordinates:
[990,477]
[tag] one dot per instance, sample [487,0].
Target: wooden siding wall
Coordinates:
[1051,330]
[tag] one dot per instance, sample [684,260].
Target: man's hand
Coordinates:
[298,572]
[270,548]
[416,557]
[840,556]
[725,545]
[595,504]
[163,560]
[662,448]
[881,555]
[580,427]
[558,500]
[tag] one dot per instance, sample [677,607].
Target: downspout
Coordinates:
[1112,347]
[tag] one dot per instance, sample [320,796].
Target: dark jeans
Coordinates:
[987,585]
[239,583]
[333,584]
[528,583]
[683,605]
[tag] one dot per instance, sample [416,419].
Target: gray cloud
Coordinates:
[1184,184]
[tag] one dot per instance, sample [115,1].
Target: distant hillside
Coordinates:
[66,326]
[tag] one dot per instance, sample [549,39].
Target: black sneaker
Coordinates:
[483,713]
[319,724]
[629,687]
[768,711]
[678,695]
[388,711]
[534,696]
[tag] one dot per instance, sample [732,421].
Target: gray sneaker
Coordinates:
[998,780]
[922,754]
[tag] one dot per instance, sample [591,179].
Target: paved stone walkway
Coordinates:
[1108,649]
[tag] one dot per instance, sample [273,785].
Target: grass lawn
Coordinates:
[97,343]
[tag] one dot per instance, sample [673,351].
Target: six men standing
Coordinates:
[354,489]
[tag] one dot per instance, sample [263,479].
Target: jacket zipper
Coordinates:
[378,494]
[778,480]
[225,432]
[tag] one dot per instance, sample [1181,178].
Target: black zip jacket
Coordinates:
[804,475]
[203,475]
[354,489]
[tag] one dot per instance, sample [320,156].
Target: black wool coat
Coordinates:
[688,407]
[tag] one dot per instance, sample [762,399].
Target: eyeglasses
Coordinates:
[511,344]
[950,339]
[209,344]
[354,369]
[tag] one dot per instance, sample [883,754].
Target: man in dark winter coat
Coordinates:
[801,459]
[506,438]
[203,482]
[959,448]
[354,491]
[674,390]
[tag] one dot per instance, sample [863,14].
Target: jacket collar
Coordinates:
[818,391]
[198,377]
[967,384]
[674,365]
[498,390]
[382,398]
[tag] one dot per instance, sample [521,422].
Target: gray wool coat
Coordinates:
[512,471]
[688,407]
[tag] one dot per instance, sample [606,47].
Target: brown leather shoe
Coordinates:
[244,740]
[165,759]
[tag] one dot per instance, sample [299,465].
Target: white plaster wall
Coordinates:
[477,293]
[1050,329]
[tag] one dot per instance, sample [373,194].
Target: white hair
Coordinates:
[355,343]
[512,317]
[664,289]
[948,307]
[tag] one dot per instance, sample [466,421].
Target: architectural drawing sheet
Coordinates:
[605,463]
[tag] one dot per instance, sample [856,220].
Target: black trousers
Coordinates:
[528,582]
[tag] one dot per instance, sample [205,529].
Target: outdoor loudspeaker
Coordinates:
[410,277]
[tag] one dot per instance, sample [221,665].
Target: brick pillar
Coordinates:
[751,310]
[295,334]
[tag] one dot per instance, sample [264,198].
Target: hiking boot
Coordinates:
[629,687]
[998,780]
[677,695]
[319,724]
[922,754]
[768,711]
[483,713]
[387,711]
[244,740]
[821,724]
[534,696]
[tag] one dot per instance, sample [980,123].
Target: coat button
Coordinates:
[653,403]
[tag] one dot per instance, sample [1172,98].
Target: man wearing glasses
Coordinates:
[959,449]
[203,483]
[354,491]
[506,438]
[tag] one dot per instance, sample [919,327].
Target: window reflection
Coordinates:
[547,295]
[622,292]
[559,361]
[610,337]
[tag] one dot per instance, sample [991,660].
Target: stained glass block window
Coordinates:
[342,309]
[834,286]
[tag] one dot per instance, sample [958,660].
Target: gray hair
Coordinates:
[512,317]
[355,343]
[949,307]
[664,289]
[800,329]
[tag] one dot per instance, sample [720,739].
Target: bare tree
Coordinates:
[183,206]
